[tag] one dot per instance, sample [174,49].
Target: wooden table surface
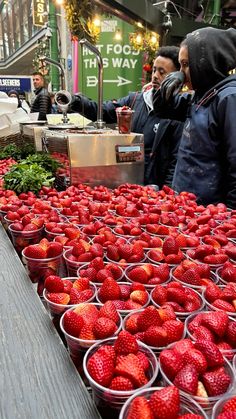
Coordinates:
[37,377]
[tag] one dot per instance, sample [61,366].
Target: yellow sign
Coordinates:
[39,12]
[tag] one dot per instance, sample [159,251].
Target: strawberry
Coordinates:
[216,321]
[125,344]
[129,366]
[34,251]
[223,305]
[218,259]
[58,298]
[113,253]
[138,274]
[120,383]
[54,249]
[124,291]
[196,358]
[67,285]
[86,295]
[170,246]
[171,363]
[187,379]
[231,333]
[148,317]
[81,284]
[101,369]
[230,405]
[140,409]
[131,323]
[109,290]
[212,292]
[140,297]
[89,273]
[166,312]
[216,381]
[144,360]
[73,323]
[88,311]
[174,330]
[156,336]
[87,332]
[190,416]
[202,333]
[97,250]
[54,283]
[159,295]
[109,311]
[183,346]
[175,294]
[104,327]
[115,270]
[191,276]
[211,352]
[165,403]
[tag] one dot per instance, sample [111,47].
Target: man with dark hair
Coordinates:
[145,121]
[206,162]
[42,101]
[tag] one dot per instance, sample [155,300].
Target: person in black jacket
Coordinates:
[160,161]
[206,164]
[42,101]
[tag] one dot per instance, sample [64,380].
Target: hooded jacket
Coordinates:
[206,163]
[41,103]
[146,122]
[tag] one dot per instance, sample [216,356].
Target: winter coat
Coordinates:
[206,163]
[146,122]
[41,103]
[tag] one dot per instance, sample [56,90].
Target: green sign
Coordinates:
[122,66]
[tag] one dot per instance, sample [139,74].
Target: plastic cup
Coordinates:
[22,239]
[187,405]
[39,269]
[124,265]
[181,314]
[211,307]
[99,284]
[206,403]
[147,286]
[77,347]
[227,353]
[125,312]
[156,349]
[72,266]
[105,398]
[218,274]
[124,120]
[217,409]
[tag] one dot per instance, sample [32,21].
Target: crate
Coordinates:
[18,139]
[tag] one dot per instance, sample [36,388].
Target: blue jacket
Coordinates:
[146,122]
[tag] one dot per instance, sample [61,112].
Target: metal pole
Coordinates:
[54,51]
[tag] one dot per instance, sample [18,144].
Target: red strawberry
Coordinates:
[212,292]
[109,290]
[216,382]
[34,251]
[129,366]
[115,270]
[73,323]
[144,360]
[230,405]
[211,352]
[131,323]
[113,253]
[149,317]
[140,297]
[196,358]
[138,274]
[191,276]
[174,330]
[171,363]
[125,343]
[175,294]
[202,333]
[218,259]
[166,312]
[120,383]
[58,298]
[216,321]
[165,403]
[54,249]
[231,333]
[87,332]
[104,327]
[170,246]
[54,283]
[159,295]
[109,311]
[183,346]
[101,368]
[97,250]
[81,284]
[223,305]
[156,336]
[139,408]
[187,379]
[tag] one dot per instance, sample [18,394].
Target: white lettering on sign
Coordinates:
[10,82]
[86,51]
[123,62]
[108,25]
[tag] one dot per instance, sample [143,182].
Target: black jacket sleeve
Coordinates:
[89,108]
[176,108]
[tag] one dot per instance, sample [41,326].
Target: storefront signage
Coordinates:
[21,84]
[122,65]
[39,12]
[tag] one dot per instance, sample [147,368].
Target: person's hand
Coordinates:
[172,84]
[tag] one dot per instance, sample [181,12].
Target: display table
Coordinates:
[38,378]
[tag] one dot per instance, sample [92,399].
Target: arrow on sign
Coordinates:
[93,81]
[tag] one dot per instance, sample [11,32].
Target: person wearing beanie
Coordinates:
[206,163]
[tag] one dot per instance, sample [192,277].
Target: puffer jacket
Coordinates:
[42,103]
